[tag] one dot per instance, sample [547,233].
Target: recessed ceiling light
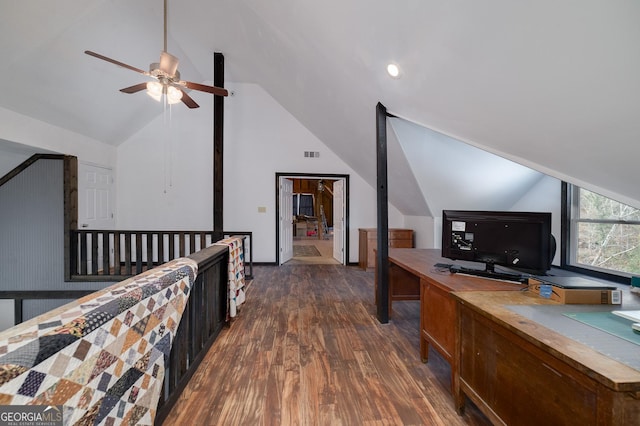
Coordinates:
[393,70]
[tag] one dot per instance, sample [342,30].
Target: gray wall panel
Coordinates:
[31,234]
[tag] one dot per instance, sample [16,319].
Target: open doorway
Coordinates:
[311,218]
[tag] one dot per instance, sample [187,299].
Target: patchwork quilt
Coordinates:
[102,357]
[236,295]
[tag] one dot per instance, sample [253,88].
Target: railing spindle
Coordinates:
[127,253]
[138,252]
[128,248]
[106,267]
[94,253]
[116,253]
[83,254]
[172,242]
[149,250]
[161,259]
[182,245]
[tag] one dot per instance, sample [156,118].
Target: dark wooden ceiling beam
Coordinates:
[218,145]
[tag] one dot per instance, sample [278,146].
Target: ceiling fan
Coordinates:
[167,77]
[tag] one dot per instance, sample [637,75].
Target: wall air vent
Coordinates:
[311,154]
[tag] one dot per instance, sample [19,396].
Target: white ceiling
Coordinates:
[551,84]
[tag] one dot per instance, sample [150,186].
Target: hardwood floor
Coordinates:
[325,247]
[307,349]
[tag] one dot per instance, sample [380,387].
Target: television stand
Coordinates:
[456,269]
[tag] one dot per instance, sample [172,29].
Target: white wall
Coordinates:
[542,197]
[423,230]
[165,172]
[455,175]
[165,175]
[21,129]
[545,197]
[261,139]
[9,160]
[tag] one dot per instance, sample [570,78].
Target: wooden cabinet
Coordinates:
[518,373]
[412,276]
[368,241]
[437,320]
[506,373]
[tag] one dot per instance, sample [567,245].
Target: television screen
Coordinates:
[517,240]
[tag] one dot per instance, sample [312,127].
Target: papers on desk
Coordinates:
[630,315]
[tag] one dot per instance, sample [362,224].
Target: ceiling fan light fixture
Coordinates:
[174,95]
[167,75]
[154,89]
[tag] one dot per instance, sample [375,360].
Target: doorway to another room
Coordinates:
[312,219]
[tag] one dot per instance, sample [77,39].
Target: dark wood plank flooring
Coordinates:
[307,349]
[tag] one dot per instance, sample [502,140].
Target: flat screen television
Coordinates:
[518,240]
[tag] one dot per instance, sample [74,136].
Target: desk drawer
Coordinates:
[518,382]
[400,234]
[401,243]
[368,241]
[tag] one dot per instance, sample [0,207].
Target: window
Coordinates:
[303,204]
[604,234]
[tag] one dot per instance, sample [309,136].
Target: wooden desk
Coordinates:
[413,276]
[520,372]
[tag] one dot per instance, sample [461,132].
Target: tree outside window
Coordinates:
[606,233]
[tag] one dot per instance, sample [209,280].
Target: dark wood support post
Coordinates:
[17,311]
[382,254]
[218,144]
[565,227]
[70,213]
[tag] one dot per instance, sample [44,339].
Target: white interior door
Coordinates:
[286,220]
[96,197]
[338,220]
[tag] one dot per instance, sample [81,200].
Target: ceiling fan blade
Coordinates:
[134,89]
[204,88]
[113,61]
[188,100]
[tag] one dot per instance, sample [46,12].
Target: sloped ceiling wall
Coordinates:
[13,154]
[455,175]
[552,85]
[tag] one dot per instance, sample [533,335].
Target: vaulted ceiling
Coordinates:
[553,84]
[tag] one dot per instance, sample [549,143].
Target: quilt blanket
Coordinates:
[102,357]
[236,295]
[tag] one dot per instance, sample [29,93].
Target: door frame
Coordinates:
[296,175]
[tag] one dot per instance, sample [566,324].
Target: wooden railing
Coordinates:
[19,296]
[202,320]
[110,255]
